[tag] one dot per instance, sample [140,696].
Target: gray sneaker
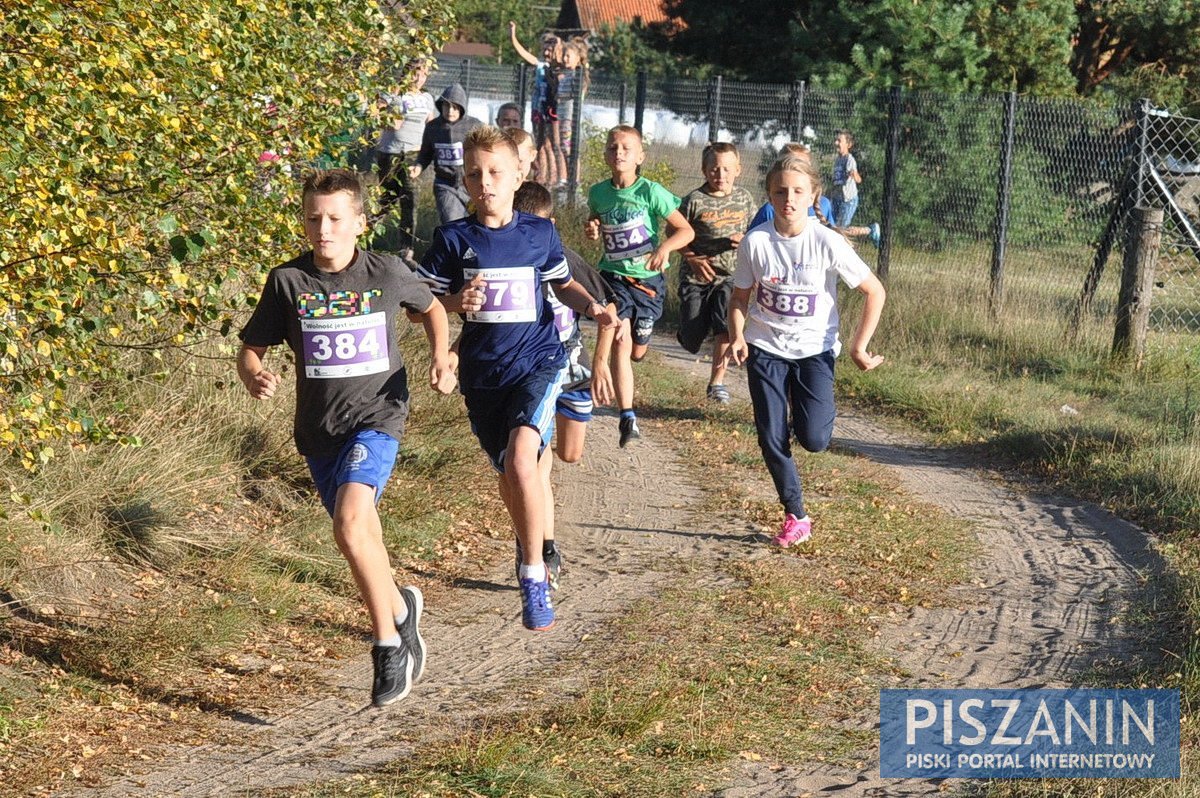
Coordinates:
[393,674]
[410,629]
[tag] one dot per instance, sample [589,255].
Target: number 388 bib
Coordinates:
[511,295]
[785,303]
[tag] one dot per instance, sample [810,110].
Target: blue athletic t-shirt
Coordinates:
[514,333]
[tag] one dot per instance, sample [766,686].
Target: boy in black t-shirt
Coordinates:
[336,307]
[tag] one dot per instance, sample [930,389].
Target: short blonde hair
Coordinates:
[490,138]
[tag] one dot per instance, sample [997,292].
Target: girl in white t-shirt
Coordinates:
[783,323]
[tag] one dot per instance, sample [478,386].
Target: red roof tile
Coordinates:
[595,13]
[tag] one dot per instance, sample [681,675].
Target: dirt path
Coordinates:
[1052,578]
[616,543]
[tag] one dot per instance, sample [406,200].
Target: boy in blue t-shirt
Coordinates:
[491,266]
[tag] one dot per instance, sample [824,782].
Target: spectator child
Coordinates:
[509,116]
[442,145]
[783,323]
[845,180]
[336,307]
[405,116]
[491,266]
[718,212]
[627,213]
[544,103]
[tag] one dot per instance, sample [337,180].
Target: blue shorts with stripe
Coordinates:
[575,401]
[495,412]
[367,457]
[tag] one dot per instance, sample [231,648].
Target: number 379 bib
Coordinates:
[511,295]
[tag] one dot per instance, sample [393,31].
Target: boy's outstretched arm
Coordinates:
[681,235]
[576,297]
[526,56]
[437,330]
[603,392]
[739,302]
[872,309]
[258,381]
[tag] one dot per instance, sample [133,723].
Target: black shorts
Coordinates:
[703,310]
[495,412]
[640,301]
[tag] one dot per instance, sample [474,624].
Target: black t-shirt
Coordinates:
[342,327]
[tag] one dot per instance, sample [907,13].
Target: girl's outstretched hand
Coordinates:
[738,351]
[866,360]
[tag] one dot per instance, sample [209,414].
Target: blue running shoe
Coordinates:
[874,233]
[537,613]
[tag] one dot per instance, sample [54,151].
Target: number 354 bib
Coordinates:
[511,295]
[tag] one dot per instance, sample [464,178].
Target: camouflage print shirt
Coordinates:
[715,219]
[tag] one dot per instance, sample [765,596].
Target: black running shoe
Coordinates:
[553,566]
[410,629]
[629,431]
[393,674]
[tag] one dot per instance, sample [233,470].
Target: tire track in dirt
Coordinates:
[1053,582]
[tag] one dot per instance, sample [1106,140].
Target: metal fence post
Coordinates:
[1137,283]
[466,73]
[891,182]
[576,139]
[1003,201]
[797,110]
[622,101]
[522,93]
[639,102]
[714,108]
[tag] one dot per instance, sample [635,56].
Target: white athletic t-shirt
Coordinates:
[793,302]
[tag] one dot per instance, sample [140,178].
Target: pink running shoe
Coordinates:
[795,530]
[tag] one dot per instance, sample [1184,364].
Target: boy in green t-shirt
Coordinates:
[627,213]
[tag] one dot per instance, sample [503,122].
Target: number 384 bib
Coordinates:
[350,346]
[511,295]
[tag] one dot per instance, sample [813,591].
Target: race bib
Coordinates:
[350,346]
[564,317]
[627,240]
[511,295]
[449,154]
[785,302]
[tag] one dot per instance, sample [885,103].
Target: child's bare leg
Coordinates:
[571,435]
[545,464]
[560,159]
[523,494]
[622,367]
[720,352]
[359,536]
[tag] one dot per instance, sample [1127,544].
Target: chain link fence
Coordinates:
[1018,205]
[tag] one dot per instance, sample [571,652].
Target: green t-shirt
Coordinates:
[630,224]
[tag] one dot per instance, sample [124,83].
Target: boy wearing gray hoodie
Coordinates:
[442,146]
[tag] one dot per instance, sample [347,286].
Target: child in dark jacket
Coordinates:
[442,146]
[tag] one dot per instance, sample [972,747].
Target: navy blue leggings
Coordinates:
[805,387]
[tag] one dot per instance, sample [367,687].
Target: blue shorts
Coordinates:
[843,211]
[367,457]
[575,401]
[640,301]
[495,412]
